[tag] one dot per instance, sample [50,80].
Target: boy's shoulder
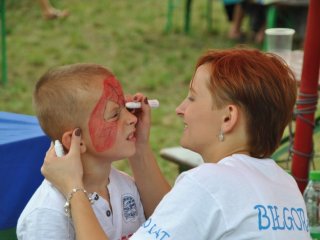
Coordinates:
[46,193]
[46,197]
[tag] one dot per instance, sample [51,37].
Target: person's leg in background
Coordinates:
[49,12]
[257,13]
[235,14]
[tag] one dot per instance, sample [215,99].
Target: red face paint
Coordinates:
[103,134]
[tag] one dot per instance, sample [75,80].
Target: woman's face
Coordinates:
[201,119]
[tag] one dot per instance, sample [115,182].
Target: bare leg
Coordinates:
[49,12]
[258,38]
[235,30]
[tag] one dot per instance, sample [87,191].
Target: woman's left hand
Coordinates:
[65,172]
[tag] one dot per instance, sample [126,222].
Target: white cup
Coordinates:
[279,41]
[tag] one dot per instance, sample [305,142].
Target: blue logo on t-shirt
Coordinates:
[130,212]
[271,217]
[155,231]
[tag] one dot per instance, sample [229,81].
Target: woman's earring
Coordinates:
[221,136]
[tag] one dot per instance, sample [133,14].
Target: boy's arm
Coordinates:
[151,183]
[44,223]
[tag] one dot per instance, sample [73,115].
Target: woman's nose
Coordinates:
[180,110]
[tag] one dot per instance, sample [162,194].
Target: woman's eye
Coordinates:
[190,98]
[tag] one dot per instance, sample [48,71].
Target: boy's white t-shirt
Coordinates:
[44,218]
[240,198]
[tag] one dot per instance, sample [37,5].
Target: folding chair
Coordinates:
[187,15]
[3,42]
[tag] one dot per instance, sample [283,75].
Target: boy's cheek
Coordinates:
[103,135]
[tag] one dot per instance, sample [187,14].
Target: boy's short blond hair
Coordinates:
[62,97]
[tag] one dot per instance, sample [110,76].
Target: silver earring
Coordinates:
[221,136]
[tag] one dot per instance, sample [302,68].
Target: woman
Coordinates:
[238,105]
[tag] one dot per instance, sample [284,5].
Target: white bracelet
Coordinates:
[67,205]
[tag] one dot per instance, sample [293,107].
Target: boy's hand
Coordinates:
[66,172]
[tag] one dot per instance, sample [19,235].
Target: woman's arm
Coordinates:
[150,181]
[85,222]
[66,173]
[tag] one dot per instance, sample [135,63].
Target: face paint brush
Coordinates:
[154,103]
[58,148]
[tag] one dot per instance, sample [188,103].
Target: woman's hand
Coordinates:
[143,163]
[66,172]
[144,119]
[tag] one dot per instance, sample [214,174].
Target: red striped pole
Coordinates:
[308,95]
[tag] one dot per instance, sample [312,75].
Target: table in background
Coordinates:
[22,149]
[296,65]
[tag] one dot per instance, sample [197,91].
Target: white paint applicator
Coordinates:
[58,148]
[153,103]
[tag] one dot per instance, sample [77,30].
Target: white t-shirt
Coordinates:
[44,218]
[240,198]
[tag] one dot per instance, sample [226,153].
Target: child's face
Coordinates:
[111,126]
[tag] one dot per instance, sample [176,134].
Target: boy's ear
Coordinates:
[66,142]
[230,118]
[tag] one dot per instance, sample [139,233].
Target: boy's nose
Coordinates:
[132,119]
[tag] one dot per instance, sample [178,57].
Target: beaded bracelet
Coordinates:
[67,205]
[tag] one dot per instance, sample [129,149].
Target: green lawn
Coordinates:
[126,36]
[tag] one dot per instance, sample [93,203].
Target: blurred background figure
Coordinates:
[235,15]
[49,12]
[236,10]
[257,19]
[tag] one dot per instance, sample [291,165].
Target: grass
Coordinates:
[126,36]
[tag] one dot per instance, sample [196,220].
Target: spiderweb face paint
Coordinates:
[103,133]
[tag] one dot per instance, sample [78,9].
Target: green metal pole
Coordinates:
[169,15]
[209,15]
[187,16]
[3,41]
[271,21]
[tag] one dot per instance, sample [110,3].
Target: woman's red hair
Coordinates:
[259,83]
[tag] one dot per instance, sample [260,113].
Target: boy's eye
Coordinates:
[113,116]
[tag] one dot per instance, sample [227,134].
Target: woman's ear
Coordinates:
[66,142]
[230,118]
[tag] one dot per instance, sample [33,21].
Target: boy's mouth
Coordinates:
[131,136]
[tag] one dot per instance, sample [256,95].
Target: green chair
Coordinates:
[187,15]
[8,234]
[295,10]
[3,42]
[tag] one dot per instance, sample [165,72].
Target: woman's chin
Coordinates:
[184,144]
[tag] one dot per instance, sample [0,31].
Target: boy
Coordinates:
[85,96]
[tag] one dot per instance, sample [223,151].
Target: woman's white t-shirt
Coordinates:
[238,198]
